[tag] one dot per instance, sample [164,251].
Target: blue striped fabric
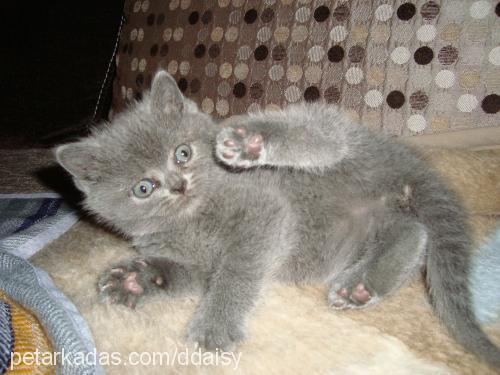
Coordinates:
[30,221]
[6,336]
[48,208]
[27,223]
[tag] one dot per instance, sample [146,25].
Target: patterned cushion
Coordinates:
[403,67]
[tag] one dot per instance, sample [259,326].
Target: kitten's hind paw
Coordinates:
[127,282]
[350,298]
[239,148]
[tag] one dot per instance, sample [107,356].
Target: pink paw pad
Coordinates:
[241,131]
[360,294]
[343,292]
[132,285]
[254,145]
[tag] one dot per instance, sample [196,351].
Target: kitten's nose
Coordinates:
[177,184]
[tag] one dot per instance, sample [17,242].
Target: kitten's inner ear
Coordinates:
[80,160]
[165,95]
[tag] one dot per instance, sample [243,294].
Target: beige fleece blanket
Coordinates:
[292,330]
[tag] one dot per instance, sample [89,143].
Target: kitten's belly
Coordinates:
[330,221]
[321,228]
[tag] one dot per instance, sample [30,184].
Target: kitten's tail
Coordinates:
[448,266]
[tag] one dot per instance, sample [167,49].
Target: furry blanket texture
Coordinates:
[292,329]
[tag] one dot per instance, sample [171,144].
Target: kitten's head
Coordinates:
[154,161]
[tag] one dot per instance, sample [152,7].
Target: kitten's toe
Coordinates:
[132,285]
[239,148]
[254,145]
[360,294]
[241,131]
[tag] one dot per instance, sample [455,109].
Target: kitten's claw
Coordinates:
[240,148]
[117,271]
[106,286]
[141,262]
[159,281]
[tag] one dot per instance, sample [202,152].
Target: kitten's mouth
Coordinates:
[183,192]
[181,188]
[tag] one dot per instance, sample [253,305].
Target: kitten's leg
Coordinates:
[395,253]
[132,279]
[252,244]
[248,142]
[219,321]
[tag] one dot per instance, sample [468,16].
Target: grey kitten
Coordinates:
[302,195]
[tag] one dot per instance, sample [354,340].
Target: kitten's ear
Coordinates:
[190,106]
[80,160]
[165,95]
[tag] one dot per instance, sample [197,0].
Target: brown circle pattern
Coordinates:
[395,99]
[250,16]
[356,54]
[311,94]
[406,11]
[403,67]
[448,55]
[267,15]
[199,50]
[279,52]
[491,103]
[429,10]
[423,55]
[332,94]
[260,53]
[341,13]
[193,18]
[239,90]
[256,91]
[336,54]
[419,100]
[321,13]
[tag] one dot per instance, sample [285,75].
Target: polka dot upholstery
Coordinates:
[401,67]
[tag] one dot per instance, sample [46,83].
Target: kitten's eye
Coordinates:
[144,188]
[182,154]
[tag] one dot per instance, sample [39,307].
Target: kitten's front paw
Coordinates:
[127,282]
[240,148]
[212,335]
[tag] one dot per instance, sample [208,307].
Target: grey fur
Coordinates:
[299,195]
